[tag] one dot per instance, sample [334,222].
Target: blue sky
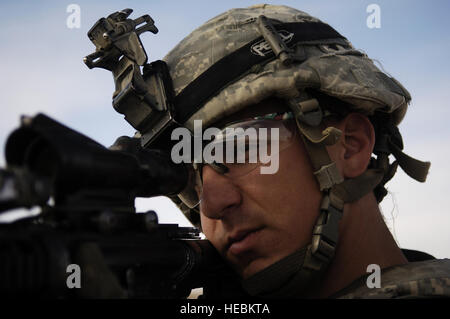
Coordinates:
[41,61]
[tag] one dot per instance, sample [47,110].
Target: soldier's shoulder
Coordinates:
[423,279]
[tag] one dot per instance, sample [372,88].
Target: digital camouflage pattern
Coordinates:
[332,66]
[425,279]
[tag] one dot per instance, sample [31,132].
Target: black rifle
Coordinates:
[86,193]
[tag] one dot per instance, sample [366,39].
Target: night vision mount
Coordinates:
[146,99]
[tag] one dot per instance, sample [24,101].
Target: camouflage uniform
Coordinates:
[423,279]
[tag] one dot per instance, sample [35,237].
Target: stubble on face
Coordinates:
[282,208]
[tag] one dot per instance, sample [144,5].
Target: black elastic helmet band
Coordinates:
[236,64]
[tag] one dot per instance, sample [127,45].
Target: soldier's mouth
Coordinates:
[243,241]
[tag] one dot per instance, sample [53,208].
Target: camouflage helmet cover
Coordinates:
[332,66]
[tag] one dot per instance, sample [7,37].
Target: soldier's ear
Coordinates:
[353,151]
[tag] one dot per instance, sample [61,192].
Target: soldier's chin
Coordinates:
[255,267]
[247,267]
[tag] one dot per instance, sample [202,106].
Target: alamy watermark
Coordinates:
[74,279]
[73,21]
[374,19]
[374,279]
[249,145]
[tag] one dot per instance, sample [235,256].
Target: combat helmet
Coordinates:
[244,56]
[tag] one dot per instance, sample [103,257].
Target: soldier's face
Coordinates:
[257,219]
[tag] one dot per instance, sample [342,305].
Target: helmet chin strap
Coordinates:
[297,274]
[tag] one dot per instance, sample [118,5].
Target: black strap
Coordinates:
[416,255]
[241,61]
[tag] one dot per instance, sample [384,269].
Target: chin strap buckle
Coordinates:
[325,233]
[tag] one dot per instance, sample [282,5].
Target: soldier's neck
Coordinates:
[364,239]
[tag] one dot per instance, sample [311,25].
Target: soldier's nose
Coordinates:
[219,194]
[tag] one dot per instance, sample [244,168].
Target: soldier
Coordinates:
[312,228]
